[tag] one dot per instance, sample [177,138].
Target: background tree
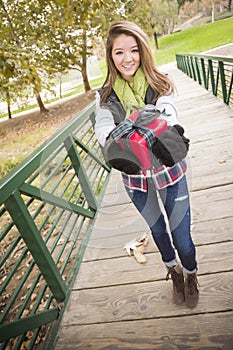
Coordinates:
[18,43]
[143,14]
[90,20]
[156,17]
[180,3]
[58,35]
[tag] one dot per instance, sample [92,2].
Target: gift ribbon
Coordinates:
[146,116]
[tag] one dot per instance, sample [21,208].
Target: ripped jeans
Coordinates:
[175,205]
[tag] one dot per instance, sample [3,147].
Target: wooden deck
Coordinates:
[117,303]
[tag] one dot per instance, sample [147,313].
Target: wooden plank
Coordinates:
[211,210]
[210,204]
[211,151]
[203,331]
[199,102]
[112,246]
[199,128]
[209,181]
[209,173]
[115,193]
[211,258]
[146,300]
[216,194]
[212,231]
[205,232]
[219,199]
[116,216]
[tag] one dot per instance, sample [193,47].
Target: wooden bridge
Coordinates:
[117,303]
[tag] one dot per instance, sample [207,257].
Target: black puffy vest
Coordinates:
[114,105]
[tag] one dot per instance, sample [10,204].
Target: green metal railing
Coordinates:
[215,73]
[47,207]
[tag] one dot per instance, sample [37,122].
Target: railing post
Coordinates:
[80,171]
[178,61]
[229,90]
[204,73]
[211,71]
[193,69]
[185,60]
[189,67]
[223,81]
[198,71]
[28,230]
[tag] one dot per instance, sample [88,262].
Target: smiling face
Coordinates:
[125,55]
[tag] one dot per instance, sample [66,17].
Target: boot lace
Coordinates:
[177,279]
[192,283]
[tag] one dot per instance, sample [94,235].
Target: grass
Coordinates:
[195,40]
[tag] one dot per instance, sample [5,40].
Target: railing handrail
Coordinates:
[210,57]
[47,204]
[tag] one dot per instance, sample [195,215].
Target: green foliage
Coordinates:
[153,15]
[180,3]
[164,15]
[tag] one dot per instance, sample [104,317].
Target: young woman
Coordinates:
[132,82]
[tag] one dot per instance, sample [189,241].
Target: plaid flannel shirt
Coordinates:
[161,176]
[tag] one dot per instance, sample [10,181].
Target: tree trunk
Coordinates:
[8,104]
[60,84]
[9,109]
[229,5]
[84,63]
[156,40]
[212,12]
[85,78]
[43,109]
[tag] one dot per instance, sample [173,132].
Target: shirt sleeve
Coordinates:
[104,122]
[165,103]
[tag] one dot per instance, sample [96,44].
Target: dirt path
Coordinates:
[59,113]
[225,50]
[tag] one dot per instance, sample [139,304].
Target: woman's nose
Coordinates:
[127,57]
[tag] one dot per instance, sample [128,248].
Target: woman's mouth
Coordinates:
[128,67]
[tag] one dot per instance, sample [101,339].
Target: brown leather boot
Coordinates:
[191,290]
[177,277]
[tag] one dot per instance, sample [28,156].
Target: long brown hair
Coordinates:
[158,81]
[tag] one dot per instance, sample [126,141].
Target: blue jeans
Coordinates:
[176,207]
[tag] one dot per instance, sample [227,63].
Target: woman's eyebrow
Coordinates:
[132,47]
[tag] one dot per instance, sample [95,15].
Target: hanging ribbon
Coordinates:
[144,117]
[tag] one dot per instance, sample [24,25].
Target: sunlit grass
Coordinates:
[195,40]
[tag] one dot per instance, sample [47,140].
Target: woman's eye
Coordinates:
[135,50]
[119,52]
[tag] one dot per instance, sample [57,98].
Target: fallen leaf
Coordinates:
[33,296]
[25,313]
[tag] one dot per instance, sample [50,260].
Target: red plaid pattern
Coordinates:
[161,176]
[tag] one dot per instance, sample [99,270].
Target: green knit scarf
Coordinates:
[131,94]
